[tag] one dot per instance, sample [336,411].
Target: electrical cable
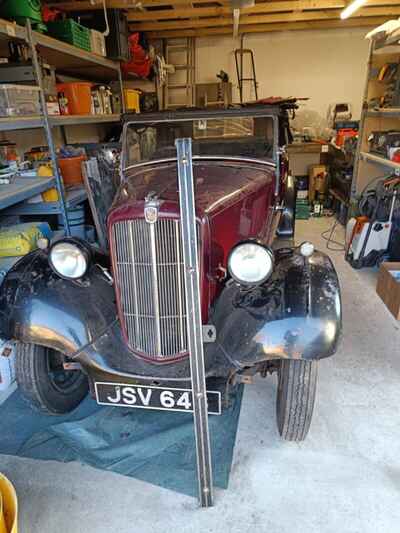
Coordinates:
[107,32]
[331,244]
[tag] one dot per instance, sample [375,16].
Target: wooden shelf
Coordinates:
[72,60]
[74,197]
[20,123]
[22,189]
[71,120]
[35,121]
[379,160]
[10,30]
[66,58]
[390,112]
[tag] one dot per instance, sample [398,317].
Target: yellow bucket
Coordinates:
[132,100]
[8,507]
[51,195]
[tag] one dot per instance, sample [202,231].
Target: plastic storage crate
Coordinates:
[302,211]
[98,43]
[70,32]
[19,100]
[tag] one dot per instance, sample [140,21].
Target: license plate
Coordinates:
[146,397]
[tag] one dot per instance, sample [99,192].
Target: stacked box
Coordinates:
[19,100]
[302,209]
[70,32]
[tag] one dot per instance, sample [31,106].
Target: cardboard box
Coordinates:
[317,180]
[302,155]
[388,287]
[98,43]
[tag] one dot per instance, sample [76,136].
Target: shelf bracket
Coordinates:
[48,129]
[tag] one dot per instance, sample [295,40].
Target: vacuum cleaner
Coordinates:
[368,235]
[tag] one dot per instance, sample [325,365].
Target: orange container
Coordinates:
[79,96]
[71,170]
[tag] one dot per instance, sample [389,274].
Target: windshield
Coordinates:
[247,137]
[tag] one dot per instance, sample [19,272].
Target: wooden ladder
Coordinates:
[180,87]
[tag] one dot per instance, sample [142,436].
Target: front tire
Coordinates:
[297,383]
[43,381]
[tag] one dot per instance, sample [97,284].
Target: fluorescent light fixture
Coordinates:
[351,8]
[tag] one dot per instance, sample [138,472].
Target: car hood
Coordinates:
[218,183]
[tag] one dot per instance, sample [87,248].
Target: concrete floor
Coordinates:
[345,478]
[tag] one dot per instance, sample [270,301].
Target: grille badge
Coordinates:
[151,208]
[151,214]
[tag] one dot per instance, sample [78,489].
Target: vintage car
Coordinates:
[117,323]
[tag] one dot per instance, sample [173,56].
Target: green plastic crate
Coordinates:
[70,32]
[21,10]
[302,211]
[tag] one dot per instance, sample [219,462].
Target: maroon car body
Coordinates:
[123,323]
[231,206]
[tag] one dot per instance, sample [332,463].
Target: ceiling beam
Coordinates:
[261,7]
[86,5]
[268,28]
[318,15]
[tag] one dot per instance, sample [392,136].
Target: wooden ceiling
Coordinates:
[199,18]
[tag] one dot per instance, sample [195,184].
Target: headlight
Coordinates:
[250,263]
[69,259]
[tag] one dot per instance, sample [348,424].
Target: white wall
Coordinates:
[327,66]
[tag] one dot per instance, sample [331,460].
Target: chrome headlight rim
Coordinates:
[80,245]
[246,283]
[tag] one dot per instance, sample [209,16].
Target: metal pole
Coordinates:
[277,155]
[121,89]
[47,127]
[194,326]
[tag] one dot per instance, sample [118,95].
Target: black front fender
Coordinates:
[296,315]
[39,307]
[77,318]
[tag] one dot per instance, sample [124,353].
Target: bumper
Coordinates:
[297,314]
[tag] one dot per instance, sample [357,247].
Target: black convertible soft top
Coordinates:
[194,113]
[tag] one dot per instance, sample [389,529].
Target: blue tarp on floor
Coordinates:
[154,446]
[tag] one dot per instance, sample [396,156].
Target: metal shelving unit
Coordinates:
[36,121]
[73,197]
[369,166]
[384,112]
[380,161]
[67,59]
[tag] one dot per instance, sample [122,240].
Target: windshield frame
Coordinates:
[191,115]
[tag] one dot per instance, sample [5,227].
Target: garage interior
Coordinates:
[292,111]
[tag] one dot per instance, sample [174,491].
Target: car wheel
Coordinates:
[44,382]
[297,383]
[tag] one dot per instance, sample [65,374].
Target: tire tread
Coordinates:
[33,383]
[296,398]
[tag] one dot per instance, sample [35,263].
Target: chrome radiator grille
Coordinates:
[149,273]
